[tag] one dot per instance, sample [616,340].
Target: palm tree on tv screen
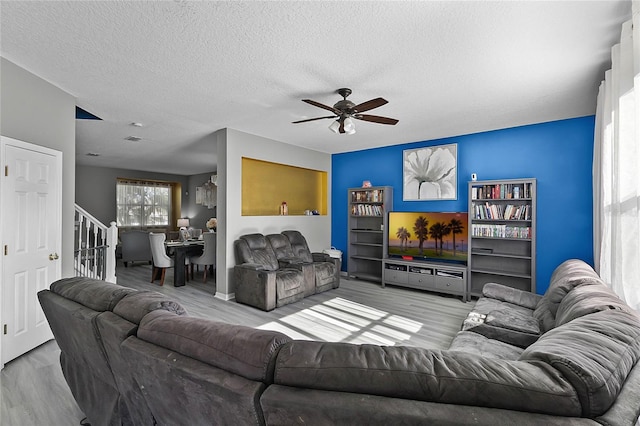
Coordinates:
[420,228]
[403,235]
[456,228]
[438,231]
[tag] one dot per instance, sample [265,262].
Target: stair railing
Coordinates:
[95,247]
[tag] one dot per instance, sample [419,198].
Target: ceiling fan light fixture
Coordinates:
[349,126]
[335,126]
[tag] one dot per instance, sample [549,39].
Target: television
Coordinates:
[428,236]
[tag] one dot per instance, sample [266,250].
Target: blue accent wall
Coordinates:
[558,154]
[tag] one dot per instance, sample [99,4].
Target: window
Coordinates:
[143,203]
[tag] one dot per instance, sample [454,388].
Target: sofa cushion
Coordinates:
[94,294]
[244,351]
[134,307]
[514,321]
[568,275]
[281,246]
[486,305]
[254,248]
[325,273]
[512,295]
[595,353]
[299,245]
[477,344]
[586,300]
[448,377]
[288,283]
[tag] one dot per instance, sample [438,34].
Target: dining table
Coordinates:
[180,250]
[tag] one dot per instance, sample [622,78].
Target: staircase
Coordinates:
[95,247]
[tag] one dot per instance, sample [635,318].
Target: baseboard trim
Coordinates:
[224,296]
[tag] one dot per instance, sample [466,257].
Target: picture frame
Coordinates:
[430,173]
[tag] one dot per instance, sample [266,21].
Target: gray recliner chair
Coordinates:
[260,281]
[326,269]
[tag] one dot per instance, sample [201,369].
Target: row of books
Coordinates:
[504,212]
[366,210]
[504,191]
[501,231]
[373,196]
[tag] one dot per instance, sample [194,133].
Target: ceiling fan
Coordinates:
[345,110]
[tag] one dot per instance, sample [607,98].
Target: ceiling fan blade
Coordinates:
[376,119]
[323,106]
[313,119]
[373,103]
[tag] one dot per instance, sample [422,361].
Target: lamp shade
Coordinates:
[183,223]
[349,126]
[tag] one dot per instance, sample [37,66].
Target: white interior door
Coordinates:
[31,211]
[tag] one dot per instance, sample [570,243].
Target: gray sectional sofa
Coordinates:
[134,357]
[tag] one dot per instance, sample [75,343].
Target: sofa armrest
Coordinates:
[251,266]
[255,286]
[290,262]
[511,295]
[321,257]
[324,257]
[511,320]
[507,326]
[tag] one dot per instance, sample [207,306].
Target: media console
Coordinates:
[429,276]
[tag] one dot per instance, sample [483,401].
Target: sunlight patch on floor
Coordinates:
[341,320]
[356,320]
[356,308]
[403,323]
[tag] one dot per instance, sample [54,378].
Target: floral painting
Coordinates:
[430,173]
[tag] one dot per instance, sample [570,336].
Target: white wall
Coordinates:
[35,111]
[232,146]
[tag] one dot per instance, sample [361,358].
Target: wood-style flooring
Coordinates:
[34,392]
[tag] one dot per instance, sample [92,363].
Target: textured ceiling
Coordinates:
[186,69]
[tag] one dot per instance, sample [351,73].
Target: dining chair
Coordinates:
[161,261]
[208,256]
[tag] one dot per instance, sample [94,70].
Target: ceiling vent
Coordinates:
[132,138]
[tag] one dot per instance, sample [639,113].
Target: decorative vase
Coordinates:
[212,229]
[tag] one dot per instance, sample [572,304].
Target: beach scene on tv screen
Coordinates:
[436,236]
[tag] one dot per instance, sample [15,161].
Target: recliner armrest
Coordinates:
[252,266]
[290,262]
[321,257]
[511,295]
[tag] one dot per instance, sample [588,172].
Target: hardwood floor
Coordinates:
[34,391]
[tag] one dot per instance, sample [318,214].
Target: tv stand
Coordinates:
[429,276]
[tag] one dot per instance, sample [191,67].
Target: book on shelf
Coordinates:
[367,210]
[502,212]
[501,191]
[370,196]
[500,231]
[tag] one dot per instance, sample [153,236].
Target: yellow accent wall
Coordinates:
[265,185]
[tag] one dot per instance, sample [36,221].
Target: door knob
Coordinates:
[53,256]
